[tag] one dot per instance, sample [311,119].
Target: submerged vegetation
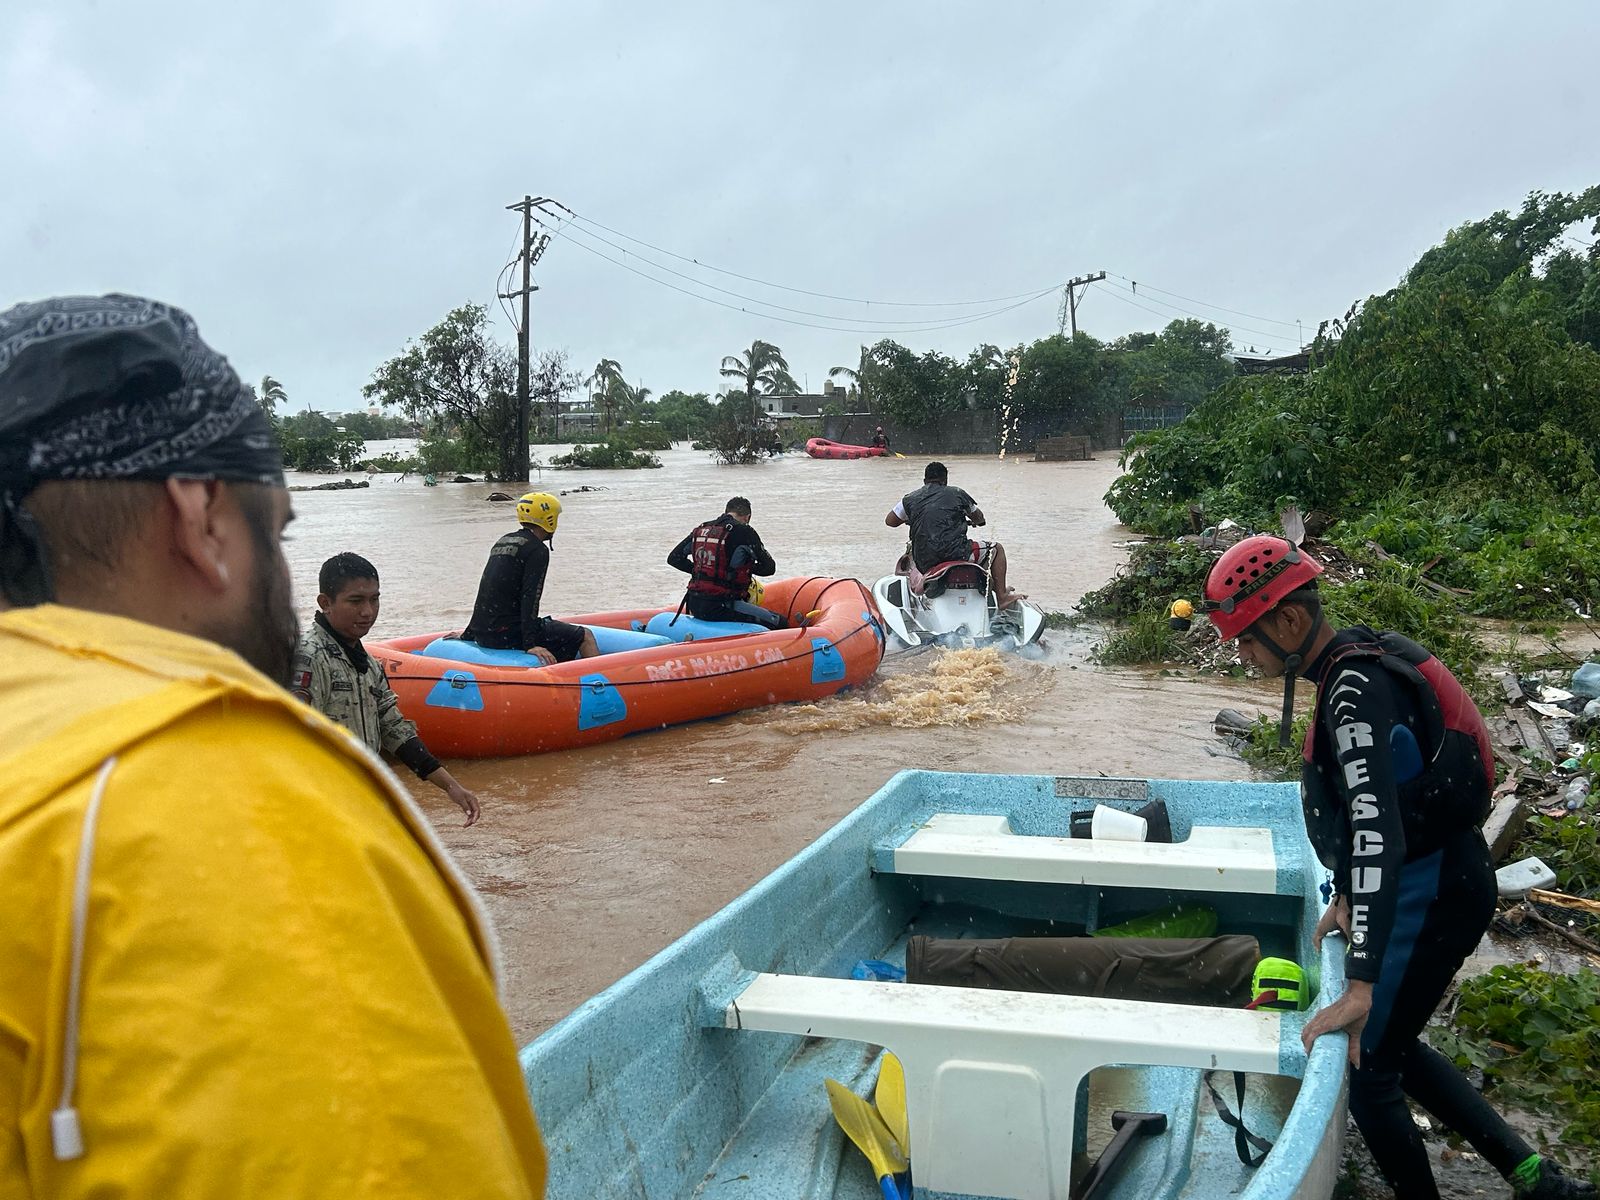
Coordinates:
[608,455]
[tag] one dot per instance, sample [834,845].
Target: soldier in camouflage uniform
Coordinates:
[334,674]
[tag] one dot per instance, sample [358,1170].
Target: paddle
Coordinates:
[890,1097]
[863,1126]
[1129,1126]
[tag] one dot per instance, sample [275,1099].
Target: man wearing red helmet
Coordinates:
[1397,775]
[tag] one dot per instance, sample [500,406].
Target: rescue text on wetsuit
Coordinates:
[1359,709]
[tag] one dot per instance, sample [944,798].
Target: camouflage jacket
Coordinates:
[330,678]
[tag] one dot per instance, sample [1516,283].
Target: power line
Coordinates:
[1116,295]
[803,291]
[1191,312]
[858,329]
[1203,304]
[886,324]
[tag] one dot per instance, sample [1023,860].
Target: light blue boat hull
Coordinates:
[642,1093]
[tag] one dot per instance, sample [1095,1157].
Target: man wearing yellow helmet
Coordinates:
[720,556]
[506,614]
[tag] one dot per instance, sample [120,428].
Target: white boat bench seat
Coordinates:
[966,846]
[992,1077]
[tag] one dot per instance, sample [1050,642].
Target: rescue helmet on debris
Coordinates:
[541,509]
[1252,578]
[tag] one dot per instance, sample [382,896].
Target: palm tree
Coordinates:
[636,397]
[606,388]
[762,370]
[271,394]
[858,376]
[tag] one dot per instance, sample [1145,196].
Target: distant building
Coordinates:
[578,417]
[1284,364]
[806,404]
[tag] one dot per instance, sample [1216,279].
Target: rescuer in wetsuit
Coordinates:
[720,556]
[880,440]
[1397,775]
[506,614]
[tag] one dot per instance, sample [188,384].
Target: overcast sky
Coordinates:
[318,182]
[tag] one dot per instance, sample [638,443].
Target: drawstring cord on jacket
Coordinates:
[66,1133]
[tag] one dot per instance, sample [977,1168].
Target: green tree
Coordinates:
[915,389]
[684,414]
[270,394]
[375,426]
[1065,378]
[1181,365]
[859,377]
[463,382]
[1462,390]
[988,375]
[312,442]
[759,371]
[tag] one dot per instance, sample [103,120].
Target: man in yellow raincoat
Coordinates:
[234,961]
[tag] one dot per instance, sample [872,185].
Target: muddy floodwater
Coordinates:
[592,860]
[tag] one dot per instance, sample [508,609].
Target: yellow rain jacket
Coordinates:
[283,986]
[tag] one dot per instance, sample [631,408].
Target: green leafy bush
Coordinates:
[1454,418]
[1156,574]
[1538,1036]
[1261,746]
[1569,846]
[609,455]
[1147,639]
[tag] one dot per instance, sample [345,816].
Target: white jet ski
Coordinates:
[951,606]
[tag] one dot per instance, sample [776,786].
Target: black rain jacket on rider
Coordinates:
[938,516]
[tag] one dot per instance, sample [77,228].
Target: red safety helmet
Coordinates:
[1251,578]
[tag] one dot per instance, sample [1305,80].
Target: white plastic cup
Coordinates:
[1114,825]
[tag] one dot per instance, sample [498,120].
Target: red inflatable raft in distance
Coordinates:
[479,709]
[823,448]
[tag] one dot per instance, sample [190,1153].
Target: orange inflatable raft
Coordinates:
[823,448]
[479,709]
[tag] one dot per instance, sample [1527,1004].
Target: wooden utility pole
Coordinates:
[532,248]
[1069,298]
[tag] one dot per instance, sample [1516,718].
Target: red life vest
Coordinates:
[713,574]
[1456,785]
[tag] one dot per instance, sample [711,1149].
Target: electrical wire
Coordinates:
[857,329]
[803,291]
[804,312]
[500,287]
[1203,304]
[1117,295]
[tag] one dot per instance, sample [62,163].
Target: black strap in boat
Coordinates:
[1243,1139]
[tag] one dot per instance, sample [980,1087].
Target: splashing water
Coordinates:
[959,687]
[1008,423]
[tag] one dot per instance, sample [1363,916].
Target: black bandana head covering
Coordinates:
[113,387]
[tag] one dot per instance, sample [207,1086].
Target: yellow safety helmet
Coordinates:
[541,509]
[756,592]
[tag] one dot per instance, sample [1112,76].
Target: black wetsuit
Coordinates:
[506,614]
[1395,786]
